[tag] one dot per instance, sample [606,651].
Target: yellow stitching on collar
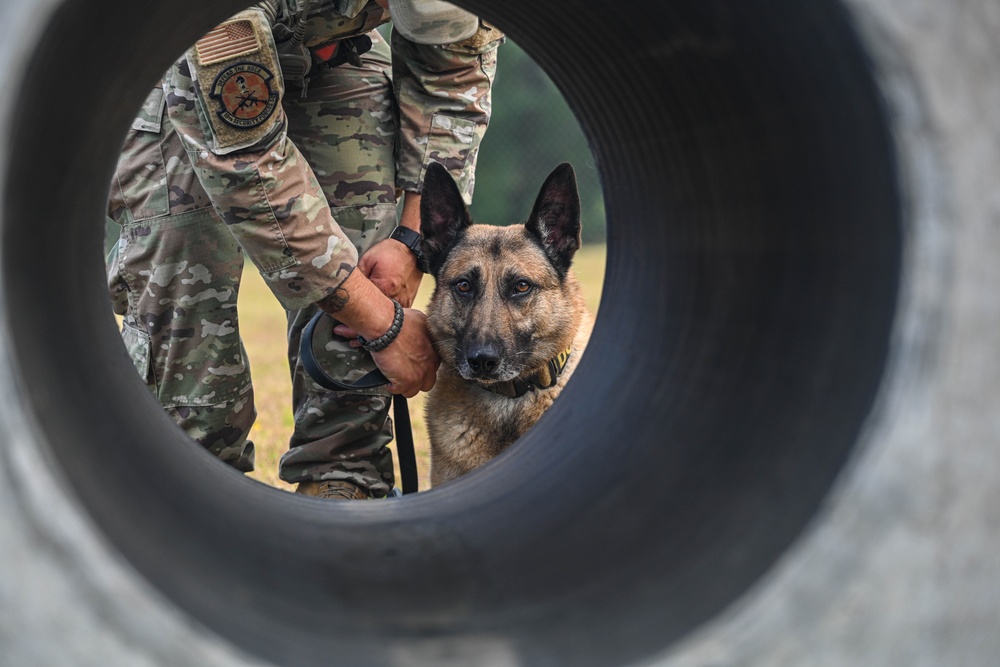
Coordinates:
[563,358]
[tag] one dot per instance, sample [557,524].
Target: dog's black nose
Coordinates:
[483,359]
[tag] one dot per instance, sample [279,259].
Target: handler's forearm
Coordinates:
[359,304]
[410,217]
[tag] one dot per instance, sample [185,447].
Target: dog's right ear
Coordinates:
[443,215]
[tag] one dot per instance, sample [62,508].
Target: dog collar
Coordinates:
[545,378]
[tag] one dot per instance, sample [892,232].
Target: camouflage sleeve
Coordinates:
[443,94]
[228,115]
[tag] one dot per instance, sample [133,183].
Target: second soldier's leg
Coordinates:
[345,128]
[180,277]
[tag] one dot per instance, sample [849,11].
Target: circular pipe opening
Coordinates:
[753,267]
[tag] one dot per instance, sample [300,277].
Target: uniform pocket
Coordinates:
[451,142]
[140,189]
[139,348]
[183,275]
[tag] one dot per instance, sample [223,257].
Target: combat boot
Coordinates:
[333,489]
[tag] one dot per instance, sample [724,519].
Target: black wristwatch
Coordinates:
[411,240]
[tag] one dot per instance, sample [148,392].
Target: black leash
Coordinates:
[372,379]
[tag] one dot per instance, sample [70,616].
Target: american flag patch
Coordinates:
[229,40]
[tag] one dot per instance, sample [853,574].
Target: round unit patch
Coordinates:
[245,94]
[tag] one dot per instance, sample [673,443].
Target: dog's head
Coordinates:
[505,301]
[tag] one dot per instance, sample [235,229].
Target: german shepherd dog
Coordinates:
[507,317]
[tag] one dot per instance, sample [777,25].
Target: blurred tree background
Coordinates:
[531,132]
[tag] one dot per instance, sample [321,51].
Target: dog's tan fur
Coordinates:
[469,425]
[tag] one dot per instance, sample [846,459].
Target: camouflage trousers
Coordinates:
[175,280]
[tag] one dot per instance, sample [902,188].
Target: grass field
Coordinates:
[263,327]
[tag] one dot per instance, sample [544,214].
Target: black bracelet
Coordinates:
[386,339]
[413,241]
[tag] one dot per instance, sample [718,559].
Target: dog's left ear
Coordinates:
[555,219]
[443,215]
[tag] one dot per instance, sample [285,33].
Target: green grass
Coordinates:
[262,323]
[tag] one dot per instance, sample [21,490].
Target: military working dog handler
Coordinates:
[287,133]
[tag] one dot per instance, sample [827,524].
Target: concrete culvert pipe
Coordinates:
[778,449]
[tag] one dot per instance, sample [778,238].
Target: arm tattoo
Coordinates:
[335,301]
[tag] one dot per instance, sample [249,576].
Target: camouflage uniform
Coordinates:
[227,158]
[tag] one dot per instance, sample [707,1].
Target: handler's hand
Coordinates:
[390,264]
[410,362]
[393,268]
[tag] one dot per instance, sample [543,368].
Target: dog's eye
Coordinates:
[522,287]
[463,287]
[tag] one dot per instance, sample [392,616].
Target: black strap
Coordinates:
[414,241]
[404,444]
[375,378]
